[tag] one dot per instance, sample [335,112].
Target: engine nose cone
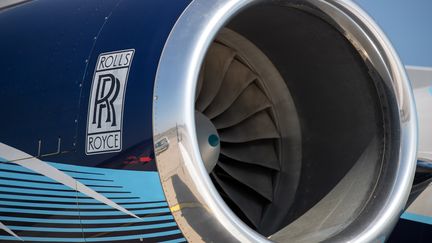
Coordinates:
[213,140]
[208,141]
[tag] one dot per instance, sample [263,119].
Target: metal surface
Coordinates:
[372,42]
[421,77]
[420,209]
[259,131]
[50,51]
[209,149]
[10,3]
[199,210]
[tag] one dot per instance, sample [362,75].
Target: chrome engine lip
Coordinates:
[173,113]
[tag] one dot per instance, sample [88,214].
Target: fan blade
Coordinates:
[216,66]
[260,153]
[256,127]
[248,103]
[244,200]
[254,177]
[237,78]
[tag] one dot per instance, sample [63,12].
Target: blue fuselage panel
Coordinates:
[49,56]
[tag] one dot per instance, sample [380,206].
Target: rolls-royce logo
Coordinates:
[104,100]
[105,113]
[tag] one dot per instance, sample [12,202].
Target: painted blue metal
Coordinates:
[418,218]
[98,239]
[82,213]
[88,221]
[57,44]
[49,53]
[42,206]
[43,66]
[48,61]
[93,230]
[68,206]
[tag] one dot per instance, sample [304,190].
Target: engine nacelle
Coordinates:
[215,121]
[315,119]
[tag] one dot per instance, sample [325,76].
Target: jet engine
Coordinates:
[201,121]
[291,121]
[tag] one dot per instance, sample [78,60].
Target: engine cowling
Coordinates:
[284,121]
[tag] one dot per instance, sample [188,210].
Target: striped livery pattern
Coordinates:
[39,209]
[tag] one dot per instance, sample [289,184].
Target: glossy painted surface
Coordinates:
[48,62]
[49,52]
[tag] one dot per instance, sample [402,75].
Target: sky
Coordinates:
[408,25]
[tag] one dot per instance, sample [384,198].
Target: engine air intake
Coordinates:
[287,120]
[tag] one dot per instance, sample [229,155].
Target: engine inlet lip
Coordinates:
[173,113]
